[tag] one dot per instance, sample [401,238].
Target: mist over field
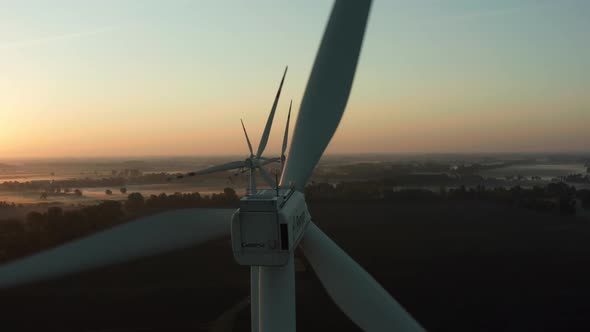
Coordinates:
[93,176]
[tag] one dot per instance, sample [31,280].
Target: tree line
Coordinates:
[556,197]
[57,225]
[41,230]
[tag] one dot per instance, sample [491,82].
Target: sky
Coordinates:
[147,78]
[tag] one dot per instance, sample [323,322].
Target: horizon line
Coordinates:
[376,153]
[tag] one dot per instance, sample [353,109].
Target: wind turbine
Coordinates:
[255,161]
[268,226]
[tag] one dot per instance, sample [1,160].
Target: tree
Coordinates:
[54,212]
[584,196]
[107,211]
[108,192]
[567,206]
[78,192]
[74,222]
[35,220]
[134,202]
[230,194]
[11,227]
[54,217]
[123,190]
[560,189]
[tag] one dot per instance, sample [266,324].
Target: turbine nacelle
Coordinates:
[268,226]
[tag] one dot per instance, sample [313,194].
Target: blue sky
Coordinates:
[174,77]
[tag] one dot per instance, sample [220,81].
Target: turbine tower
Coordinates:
[269,225]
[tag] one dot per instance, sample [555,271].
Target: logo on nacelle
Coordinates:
[253,245]
[299,221]
[272,244]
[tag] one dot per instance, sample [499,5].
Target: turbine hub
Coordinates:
[249,162]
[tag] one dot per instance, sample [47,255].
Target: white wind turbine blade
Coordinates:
[143,237]
[270,161]
[355,292]
[286,137]
[322,106]
[266,133]
[327,89]
[223,167]
[247,138]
